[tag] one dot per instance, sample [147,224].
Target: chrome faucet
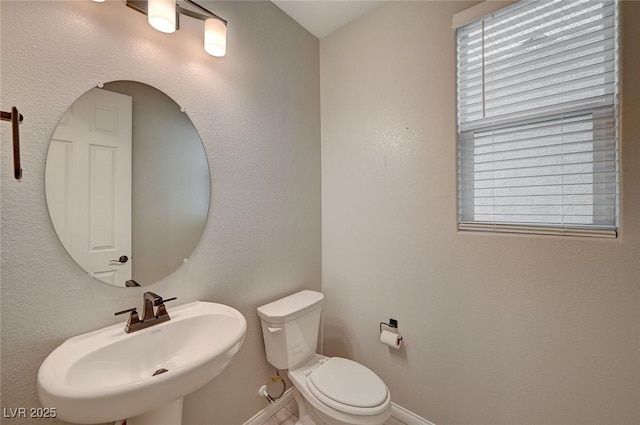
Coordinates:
[153,312]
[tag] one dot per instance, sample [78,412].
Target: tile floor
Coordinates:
[288,415]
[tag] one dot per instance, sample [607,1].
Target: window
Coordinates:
[537,87]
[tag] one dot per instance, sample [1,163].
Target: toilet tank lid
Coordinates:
[291,307]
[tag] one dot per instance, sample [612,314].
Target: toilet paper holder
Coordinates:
[393,323]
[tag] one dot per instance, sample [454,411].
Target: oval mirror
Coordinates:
[127,184]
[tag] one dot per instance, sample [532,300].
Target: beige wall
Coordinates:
[257,111]
[500,329]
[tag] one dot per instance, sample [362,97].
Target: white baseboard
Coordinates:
[407,417]
[263,416]
[398,412]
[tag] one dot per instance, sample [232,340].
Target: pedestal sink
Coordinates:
[108,375]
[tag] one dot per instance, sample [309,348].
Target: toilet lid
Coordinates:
[348,382]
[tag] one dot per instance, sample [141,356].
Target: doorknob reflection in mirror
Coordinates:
[123,259]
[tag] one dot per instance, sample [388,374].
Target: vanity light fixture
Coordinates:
[215,37]
[161,15]
[164,15]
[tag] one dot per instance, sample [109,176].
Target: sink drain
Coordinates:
[160,371]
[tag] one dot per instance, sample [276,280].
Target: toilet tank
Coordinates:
[290,328]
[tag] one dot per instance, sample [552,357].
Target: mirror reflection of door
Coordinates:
[88,183]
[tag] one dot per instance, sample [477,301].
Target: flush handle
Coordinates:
[275,330]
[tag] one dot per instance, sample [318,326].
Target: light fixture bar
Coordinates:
[142,6]
[191,13]
[207,11]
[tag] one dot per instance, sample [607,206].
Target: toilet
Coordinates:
[328,390]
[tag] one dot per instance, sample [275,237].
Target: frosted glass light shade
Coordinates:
[162,15]
[215,37]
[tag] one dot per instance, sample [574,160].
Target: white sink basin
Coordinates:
[107,375]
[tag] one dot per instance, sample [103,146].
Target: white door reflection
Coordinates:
[88,183]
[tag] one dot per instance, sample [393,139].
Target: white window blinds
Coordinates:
[537,119]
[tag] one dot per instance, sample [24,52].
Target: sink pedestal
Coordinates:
[171,414]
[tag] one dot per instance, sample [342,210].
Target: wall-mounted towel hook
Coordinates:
[16,119]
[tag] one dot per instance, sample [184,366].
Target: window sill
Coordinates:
[598,232]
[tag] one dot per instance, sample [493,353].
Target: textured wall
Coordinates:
[258,113]
[500,329]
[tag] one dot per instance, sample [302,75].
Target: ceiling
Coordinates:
[322,17]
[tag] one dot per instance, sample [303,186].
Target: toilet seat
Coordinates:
[348,387]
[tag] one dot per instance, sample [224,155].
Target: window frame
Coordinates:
[498,226]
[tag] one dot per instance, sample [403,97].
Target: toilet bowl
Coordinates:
[337,391]
[328,390]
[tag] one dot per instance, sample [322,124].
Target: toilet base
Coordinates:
[306,414]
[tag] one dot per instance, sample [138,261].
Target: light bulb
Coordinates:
[162,15]
[215,37]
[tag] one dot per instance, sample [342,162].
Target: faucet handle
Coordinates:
[129,310]
[132,320]
[162,309]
